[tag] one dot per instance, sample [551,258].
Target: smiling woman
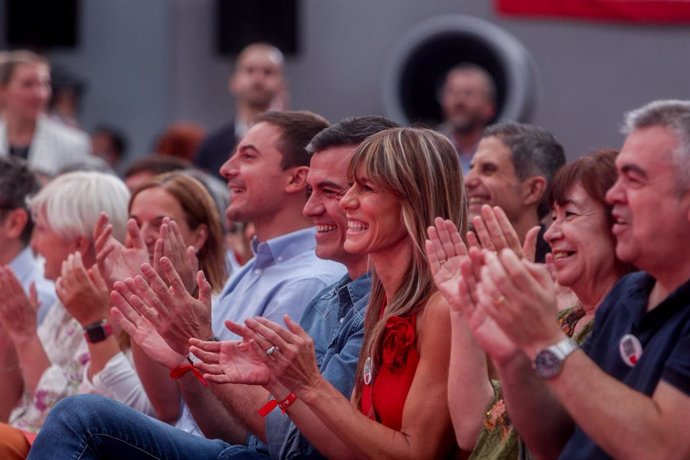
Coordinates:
[402,179]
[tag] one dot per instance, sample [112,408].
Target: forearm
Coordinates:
[33,360]
[242,403]
[163,393]
[209,413]
[101,353]
[540,419]
[468,395]
[309,426]
[622,421]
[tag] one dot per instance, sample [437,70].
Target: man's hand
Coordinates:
[176,315]
[140,329]
[520,297]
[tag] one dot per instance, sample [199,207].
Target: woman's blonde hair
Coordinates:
[199,209]
[421,168]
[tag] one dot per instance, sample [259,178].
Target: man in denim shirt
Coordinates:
[334,319]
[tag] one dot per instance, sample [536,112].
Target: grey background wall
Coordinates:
[148,63]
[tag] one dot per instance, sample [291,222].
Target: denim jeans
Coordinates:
[91,426]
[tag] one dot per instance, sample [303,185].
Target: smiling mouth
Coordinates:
[356,226]
[558,255]
[325,228]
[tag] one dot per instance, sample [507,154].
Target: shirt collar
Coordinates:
[283,247]
[22,264]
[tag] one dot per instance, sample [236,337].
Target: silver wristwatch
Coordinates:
[549,360]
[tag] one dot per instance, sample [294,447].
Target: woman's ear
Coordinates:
[200,237]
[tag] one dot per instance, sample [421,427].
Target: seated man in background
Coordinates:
[17,184]
[511,169]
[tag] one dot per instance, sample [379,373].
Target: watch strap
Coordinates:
[98,331]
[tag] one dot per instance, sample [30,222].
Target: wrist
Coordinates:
[310,393]
[532,349]
[97,331]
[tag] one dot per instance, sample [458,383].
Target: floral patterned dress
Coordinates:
[63,341]
[498,440]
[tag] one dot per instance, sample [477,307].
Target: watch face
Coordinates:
[547,364]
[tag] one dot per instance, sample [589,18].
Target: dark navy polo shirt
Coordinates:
[663,332]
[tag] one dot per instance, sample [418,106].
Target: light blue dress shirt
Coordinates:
[282,278]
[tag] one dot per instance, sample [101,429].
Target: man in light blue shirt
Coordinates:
[17,184]
[334,318]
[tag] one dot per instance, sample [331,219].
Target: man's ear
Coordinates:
[15,222]
[533,190]
[297,181]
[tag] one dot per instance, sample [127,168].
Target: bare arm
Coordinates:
[426,430]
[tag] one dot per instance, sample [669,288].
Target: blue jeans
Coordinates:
[91,426]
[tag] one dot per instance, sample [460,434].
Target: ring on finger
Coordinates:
[271,350]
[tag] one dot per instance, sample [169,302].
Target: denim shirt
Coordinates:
[335,320]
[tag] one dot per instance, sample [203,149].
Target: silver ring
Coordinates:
[271,350]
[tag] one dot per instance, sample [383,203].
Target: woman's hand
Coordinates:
[17,310]
[494,232]
[83,292]
[288,353]
[230,361]
[170,244]
[445,251]
[115,260]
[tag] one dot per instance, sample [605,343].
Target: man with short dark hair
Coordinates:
[511,169]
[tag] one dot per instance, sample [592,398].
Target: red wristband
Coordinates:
[284,404]
[182,370]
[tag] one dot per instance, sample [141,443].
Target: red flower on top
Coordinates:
[399,338]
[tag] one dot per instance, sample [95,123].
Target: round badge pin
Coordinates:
[630,349]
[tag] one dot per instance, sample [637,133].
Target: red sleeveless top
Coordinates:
[384,398]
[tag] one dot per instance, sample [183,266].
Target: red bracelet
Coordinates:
[182,370]
[284,404]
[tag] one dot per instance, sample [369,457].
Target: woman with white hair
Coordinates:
[44,365]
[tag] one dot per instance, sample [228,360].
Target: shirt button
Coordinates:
[342,319]
[279,259]
[257,271]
